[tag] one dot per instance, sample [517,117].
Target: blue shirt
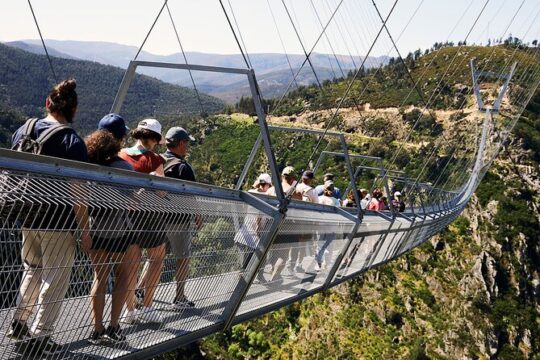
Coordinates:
[65,144]
[336,193]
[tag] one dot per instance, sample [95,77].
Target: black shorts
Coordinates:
[150,239]
[116,245]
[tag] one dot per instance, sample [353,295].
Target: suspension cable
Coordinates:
[328,126]
[307,58]
[150,30]
[186,61]
[281,40]
[43,42]
[240,34]
[302,43]
[234,34]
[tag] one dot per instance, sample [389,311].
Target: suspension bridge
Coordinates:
[226,292]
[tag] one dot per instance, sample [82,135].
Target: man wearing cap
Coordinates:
[365,199]
[319,190]
[178,141]
[288,182]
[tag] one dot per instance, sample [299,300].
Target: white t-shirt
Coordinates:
[308,193]
[328,200]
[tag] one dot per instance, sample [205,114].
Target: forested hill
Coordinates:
[25,80]
[444,67]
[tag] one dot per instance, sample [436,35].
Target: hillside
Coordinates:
[472,292]
[272,69]
[446,69]
[25,81]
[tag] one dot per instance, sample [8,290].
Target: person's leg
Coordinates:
[102,268]
[133,254]
[31,280]
[58,249]
[124,263]
[156,255]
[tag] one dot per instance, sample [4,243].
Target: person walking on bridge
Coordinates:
[144,160]
[111,245]
[181,233]
[48,241]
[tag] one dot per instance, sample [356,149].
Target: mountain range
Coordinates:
[25,81]
[273,71]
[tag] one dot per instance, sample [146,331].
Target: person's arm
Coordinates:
[77,151]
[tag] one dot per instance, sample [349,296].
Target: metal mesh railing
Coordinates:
[212,240]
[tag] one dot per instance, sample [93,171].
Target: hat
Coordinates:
[152,125]
[397,193]
[364,191]
[176,134]
[114,124]
[328,185]
[262,179]
[308,174]
[328,176]
[288,171]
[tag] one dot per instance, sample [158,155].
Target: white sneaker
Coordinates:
[130,317]
[149,315]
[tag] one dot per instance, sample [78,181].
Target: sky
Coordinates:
[202,25]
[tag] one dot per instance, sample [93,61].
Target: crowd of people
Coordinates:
[48,252]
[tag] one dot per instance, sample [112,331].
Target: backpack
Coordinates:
[171,162]
[14,188]
[35,146]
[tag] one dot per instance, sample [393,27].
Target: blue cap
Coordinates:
[115,124]
[176,134]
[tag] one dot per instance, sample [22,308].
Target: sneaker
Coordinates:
[44,346]
[149,315]
[260,278]
[114,334]
[19,330]
[183,303]
[97,337]
[139,298]
[130,317]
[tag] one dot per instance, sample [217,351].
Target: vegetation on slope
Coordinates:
[25,80]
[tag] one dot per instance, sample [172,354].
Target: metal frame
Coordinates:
[264,137]
[340,136]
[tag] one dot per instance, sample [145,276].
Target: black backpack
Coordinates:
[170,163]
[28,144]
[15,203]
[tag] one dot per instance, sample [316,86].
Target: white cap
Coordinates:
[152,125]
[397,193]
[263,178]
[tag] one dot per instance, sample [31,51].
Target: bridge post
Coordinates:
[249,161]
[265,243]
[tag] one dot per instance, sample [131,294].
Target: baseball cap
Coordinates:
[152,125]
[328,176]
[364,191]
[114,124]
[308,174]
[397,193]
[328,185]
[288,171]
[263,179]
[176,134]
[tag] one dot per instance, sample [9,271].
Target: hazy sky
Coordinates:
[203,27]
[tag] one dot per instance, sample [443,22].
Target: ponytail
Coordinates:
[63,99]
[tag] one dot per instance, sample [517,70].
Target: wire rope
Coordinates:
[185,60]
[43,42]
